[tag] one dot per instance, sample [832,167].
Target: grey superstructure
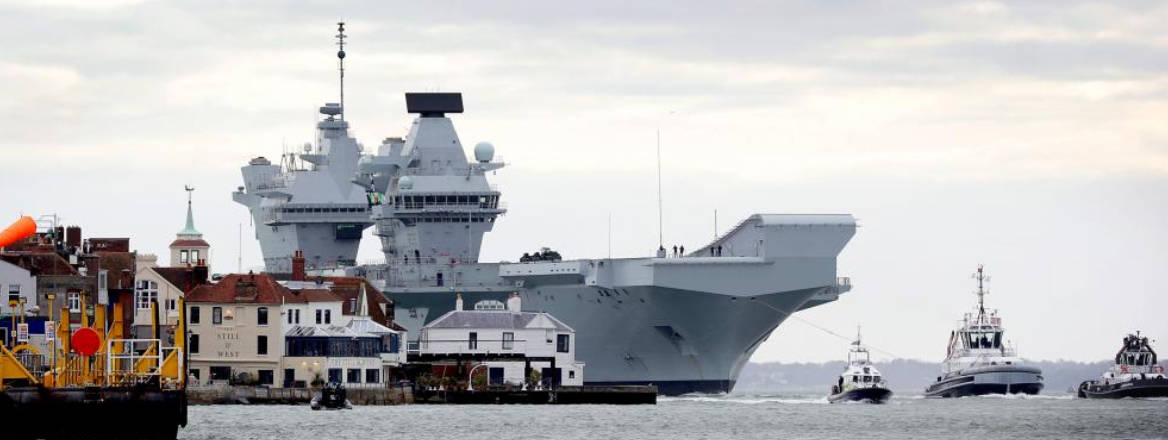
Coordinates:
[310,204]
[685,324]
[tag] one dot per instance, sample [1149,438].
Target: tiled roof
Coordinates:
[241,288]
[497,319]
[119,267]
[184,278]
[349,289]
[311,295]
[40,263]
[187,242]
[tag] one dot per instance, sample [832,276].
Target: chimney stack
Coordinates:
[199,273]
[458,301]
[513,303]
[298,273]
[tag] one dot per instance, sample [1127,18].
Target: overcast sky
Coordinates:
[1032,138]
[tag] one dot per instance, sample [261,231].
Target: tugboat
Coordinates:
[1135,374]
[332,396]
[978,360]
[860,381]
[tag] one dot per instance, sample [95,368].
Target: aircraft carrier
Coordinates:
[685,323]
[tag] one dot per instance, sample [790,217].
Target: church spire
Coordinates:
[190,230]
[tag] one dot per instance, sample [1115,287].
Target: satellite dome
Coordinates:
[405,183]
[484,152]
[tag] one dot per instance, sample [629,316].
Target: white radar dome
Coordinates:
[484,152]
[405,183]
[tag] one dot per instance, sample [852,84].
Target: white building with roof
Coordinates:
[534,338]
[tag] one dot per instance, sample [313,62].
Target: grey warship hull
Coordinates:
[681,341]
[685,324]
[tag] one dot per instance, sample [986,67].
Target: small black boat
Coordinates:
[860,381]
[332,396]
[1136,374]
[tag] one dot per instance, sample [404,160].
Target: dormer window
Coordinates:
[184,256]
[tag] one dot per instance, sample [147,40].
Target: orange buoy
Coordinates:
[85,341]
[23,227]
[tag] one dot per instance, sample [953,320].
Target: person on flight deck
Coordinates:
[674,250]
[661,252]
[719,250]
[418,256]
[681,251]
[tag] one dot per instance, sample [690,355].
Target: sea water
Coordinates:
[738,416]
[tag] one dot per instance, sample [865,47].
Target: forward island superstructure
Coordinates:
[685,324]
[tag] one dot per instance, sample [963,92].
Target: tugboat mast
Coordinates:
[981,292]
[341,62]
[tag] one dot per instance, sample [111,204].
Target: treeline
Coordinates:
[905,376]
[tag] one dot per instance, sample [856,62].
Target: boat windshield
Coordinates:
[984,339]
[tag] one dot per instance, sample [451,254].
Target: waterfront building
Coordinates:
[166,285]
[235,328]
[508,340]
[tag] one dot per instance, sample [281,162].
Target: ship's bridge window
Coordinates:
[876,379]
[867,379]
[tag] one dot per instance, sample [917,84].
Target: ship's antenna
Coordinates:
[715,224]
[660,222]
[981,279]
[341,62]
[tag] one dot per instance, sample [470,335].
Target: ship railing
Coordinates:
[139,361]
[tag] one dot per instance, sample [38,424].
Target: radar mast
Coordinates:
[341,62]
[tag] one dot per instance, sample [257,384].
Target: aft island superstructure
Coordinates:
[685,324]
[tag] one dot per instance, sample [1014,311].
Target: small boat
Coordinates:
[1135,374]
[860,381]
[332,396]
[979,361]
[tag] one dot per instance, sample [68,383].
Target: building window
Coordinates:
[318,315]
[195,373]
[267,377]
[571,374]
[13,292]
[472,341]
[102,280]
[354,375]
[146,292]
[262,316]
[563,342]
[220,373]
[171,305]
[195,256]
[183,257]
[194,318]
[261,345]
[297,315]
[328,316]
[290,316]
[372,375]
[334,375]
[74,299]
[216,315]
[194,343]
[508,340]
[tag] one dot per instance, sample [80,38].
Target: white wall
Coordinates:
[13,275]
